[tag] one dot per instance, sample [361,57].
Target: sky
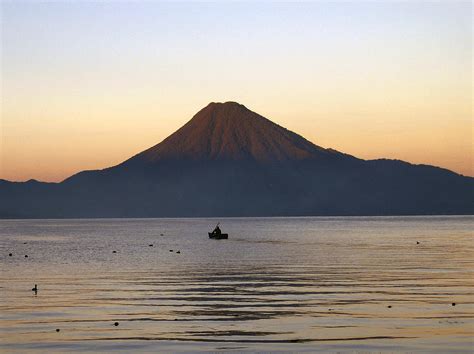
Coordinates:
[86,85]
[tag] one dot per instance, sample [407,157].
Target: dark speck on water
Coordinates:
[26,256]
[10,254]
[150,245]
[114,251]
[453,304]
[57,329]
[116,324]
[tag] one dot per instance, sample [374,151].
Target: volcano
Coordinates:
[230,161]
[229,131]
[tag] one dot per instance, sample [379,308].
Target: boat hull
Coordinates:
[218,237]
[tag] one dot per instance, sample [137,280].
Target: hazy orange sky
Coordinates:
[87,85]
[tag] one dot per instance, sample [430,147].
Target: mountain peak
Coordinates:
[226,104]
[230,131]
[229,109]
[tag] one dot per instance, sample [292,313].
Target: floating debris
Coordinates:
[116,324]
[151,245]
[389,306]
[114,251]
[178,251]
[453,304]
[10,254]
[57,329]
[35,289]
[26,256]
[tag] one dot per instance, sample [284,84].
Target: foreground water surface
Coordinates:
[278,284]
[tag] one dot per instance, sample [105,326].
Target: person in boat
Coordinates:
[217,230]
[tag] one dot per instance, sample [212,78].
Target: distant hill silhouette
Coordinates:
[230,161]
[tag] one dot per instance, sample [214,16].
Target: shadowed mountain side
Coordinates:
[229,161]
[248,189]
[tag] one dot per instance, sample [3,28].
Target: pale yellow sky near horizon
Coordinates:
[88,85]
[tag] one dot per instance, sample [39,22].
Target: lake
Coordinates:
[277,284]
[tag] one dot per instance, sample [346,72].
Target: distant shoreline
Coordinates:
[256,217]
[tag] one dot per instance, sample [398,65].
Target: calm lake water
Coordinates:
[278,284]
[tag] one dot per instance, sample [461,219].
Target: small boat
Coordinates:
[217,234]
[218,237]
